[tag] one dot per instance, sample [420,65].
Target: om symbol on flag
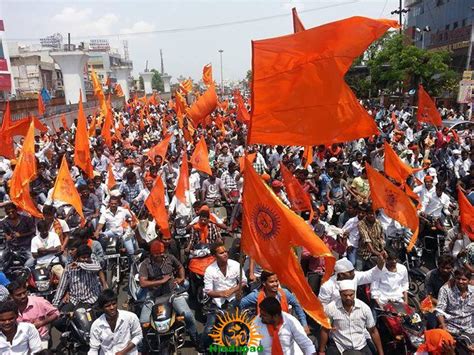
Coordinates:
[265,222]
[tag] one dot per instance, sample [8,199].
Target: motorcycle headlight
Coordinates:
[416,340]
[42,286]
[163,326]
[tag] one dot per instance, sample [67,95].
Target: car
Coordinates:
[458,125]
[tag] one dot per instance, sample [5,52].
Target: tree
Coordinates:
[156,81]
[393,64]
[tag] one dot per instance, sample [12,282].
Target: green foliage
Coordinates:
[156,81]
[394,64]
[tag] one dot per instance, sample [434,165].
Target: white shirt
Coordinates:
[421,191]
[214,279]
[433,205]
[391,285]
[147,230]
[114,222]
[330,289]
[25,342]
[349,329]
[352,228]
[51,241]
[291,332]
[106,342]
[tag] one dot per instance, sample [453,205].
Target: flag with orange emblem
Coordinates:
[427,111]
[395,203]
[156,206]
[65,191]
[466,215]
[183,181]
[270,231]
[200,157]
[297,24]
[204,106]
[160,148]
[24,173]
[207,74]
[82,153]
[300,96]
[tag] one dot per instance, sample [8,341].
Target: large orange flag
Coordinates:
[156,205]
[427,111]
[24,173]
[398,170]
[160,149]
[207,74]
[204,106]
[6,147]
[270,230]
[183,181]
[82,153]
[299,93]
[98,92]
[65,191]
[308,155]
[41,107]
[110,178]
[298,197]
[21,127]
[118,90]
[394,201]
[200,157]
[242,113]
[297,24]
[186,86]
[466,215]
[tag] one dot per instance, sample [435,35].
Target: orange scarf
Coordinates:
[203,231]
[273,331]
[283,300]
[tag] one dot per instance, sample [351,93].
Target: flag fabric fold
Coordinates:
[427,111]
[110,178]
[270,230]
[204,106]
[466,215]
[41,106]
[298,197]
[299,93]
[82,153]
[183,180]
[395,203]
[65,191]
[118,90]
[156,206]
[99,92]
[207,74]
[200,157]
[297,24]
[160,148]
[242,113]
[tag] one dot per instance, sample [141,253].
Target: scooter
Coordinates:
[12,262]
[42,282]
[166,332]
[75,341]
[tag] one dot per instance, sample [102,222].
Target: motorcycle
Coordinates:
[401,329]
[75,340]
[181,234]
[12,262]
[166,332]
[116,262]
[42,281]
[435,237]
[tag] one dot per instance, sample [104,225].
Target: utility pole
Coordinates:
[400,11]
[222,73]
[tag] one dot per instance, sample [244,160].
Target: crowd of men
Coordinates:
[343,217]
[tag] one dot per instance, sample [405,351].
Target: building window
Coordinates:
[447,27]
[464,22]
[455,25]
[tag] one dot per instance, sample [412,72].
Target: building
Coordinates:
[442,25]
[5,75]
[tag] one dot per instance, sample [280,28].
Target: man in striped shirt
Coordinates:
[80,281]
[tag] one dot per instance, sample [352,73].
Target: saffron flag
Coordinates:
[6,147]
[398,170]
[98,92]
[224,105]
[308,155]
[24,173]
[298,197]
[270,231]
[207,74]
[107,128]
[299,93]
[41,107]
[82,153]
[427,111]
[250,157]
[426,305]
[200,157]
[466,215]
[156,206]
[204,106]
[160,149]
[118,90]
[183,181]
[242,113]
[65,191]
[64,121]
[20,127]
[297,24]
[110,178]
[186,86]
[394,201]
[180,107]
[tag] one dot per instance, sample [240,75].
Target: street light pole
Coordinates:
[222,73]
[469,51]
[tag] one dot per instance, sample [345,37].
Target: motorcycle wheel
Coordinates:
[111,276]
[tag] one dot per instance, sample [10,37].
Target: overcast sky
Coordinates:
[187,48]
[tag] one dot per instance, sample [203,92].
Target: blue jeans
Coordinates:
[352,256]
[128,243]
